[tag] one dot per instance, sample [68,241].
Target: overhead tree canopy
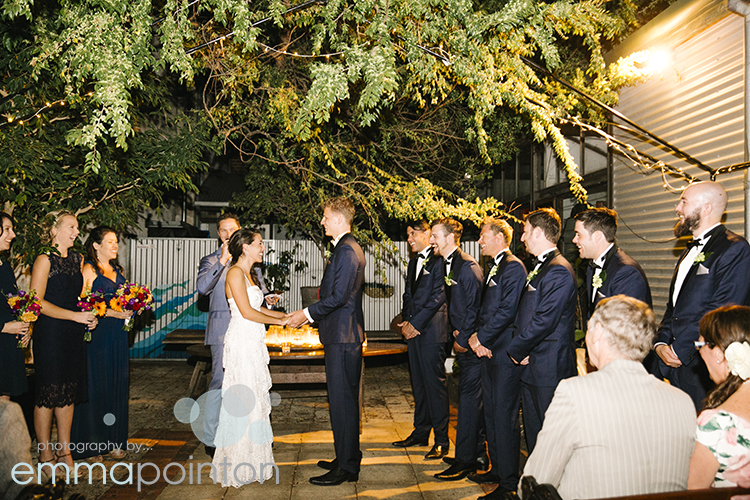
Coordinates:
[404,105]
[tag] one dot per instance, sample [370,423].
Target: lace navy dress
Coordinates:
[12,367]
[59,348]
[101,424]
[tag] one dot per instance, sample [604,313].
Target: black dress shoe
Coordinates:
[437,451]
[483,462]
[328,464]
[500,493]
[484,478]
[456,471]
[410,441]
[449,460]
[210,451]
[334,477]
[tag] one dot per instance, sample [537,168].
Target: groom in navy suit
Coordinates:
[611,271]
[544,337]
[503,285]
[713,271]
[463,288]
[212,274]
[342,332]
[425,327]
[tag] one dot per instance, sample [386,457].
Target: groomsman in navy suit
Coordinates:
[713,271]
[425,327]
[341,329]
[212,274]
[611,271]
[503,285]
[544,337]
[463,288]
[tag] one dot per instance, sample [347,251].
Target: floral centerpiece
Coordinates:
[131,297]
[26,306]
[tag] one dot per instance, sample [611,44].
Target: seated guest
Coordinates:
[722,451]
[604,433]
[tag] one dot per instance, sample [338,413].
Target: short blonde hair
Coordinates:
[628,325]
[341,205]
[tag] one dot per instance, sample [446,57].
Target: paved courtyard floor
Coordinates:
[302,436]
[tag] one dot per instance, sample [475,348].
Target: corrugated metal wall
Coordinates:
[698,106]
[170,267]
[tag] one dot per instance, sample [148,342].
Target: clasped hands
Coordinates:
[295,319]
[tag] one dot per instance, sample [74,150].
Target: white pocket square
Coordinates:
[600,295]
[491,283]
[530,288]
[702,270]
[425,272]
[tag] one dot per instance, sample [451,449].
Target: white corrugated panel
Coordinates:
[698,107]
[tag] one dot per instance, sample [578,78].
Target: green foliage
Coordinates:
[278,274]
[414,105]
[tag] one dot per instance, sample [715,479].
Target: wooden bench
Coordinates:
[185,337]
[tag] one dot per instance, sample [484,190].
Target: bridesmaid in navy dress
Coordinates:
[12,367]
[59,348]
[101,424]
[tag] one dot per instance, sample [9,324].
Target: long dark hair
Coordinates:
[721,327]
[97,236]
[3,216]
[244,236]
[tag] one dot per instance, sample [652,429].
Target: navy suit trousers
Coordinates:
[692,378]
[535,400]
[343,370]
[431,408]
[470,430]
[501,386]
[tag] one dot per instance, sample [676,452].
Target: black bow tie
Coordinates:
[694,243]
[420,257]
[594,265]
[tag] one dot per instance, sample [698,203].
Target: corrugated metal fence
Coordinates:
[170,267]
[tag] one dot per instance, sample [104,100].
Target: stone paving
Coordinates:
[302,436]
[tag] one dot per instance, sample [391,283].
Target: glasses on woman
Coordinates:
[701,343]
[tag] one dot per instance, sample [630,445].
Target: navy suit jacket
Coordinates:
[623,276]
[339,310]
[465,296]
[722,279]
[545,328]
[500,298]
[211,279]
[424,299]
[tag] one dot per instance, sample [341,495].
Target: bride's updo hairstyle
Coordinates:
[241,237]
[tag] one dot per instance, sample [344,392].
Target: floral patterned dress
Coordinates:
[728,438]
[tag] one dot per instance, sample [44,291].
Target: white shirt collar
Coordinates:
[499,256]
[702,236]
[425,252]
[335,241]
[542,256]
[599,261]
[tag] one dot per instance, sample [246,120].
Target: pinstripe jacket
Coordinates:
[615,432]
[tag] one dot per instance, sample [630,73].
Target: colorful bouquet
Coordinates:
[26,306]
[94,302]
[131,297]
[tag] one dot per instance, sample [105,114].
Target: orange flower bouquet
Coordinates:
[131,297]
[94,302]
[26,306]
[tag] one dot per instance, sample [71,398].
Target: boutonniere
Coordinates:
[449,279]
[701,257]
[424,262]
[493,271]
[328,252]
[598,281]
[531,276]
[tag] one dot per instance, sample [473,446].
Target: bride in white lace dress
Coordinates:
[244,436]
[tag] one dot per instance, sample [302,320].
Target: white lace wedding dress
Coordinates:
[244,436]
